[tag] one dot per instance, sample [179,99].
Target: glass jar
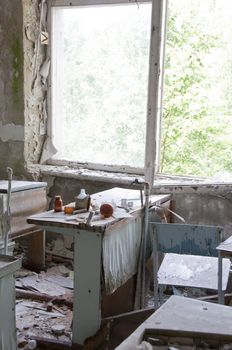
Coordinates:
[58,204]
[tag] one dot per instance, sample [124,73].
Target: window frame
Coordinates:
[155,83]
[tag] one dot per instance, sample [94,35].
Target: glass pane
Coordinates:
[100,78]
[197,106]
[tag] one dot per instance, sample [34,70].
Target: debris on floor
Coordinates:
[44,305]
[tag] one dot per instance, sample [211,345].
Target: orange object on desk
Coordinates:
[69,210]
[106,210]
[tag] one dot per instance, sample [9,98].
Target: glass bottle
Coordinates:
[58,204]
[82,201]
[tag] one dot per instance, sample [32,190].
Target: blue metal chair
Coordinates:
[195,240]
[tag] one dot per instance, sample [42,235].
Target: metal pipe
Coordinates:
[8,226]
[146,188]
[146,228]
[155,269]
[220,292]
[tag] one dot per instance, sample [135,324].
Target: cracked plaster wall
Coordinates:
[35,87]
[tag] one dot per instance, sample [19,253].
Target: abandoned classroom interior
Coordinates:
[115,174]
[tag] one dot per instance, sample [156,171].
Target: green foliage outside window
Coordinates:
[197,115]
[104,69]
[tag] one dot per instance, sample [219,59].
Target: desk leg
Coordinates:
[87,284]
[35,256]
[220,292]
[155,271]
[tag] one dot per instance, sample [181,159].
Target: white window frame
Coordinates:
[155,82]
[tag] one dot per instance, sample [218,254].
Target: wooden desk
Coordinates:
[185,318]
[113,243]
[27,198]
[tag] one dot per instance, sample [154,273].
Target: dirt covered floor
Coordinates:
[44,305]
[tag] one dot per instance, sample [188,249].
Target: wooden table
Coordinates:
[91,245]
[27,198]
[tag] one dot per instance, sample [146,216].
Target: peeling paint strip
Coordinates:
[11,132]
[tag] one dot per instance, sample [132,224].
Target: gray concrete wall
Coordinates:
[11,88]
[213,208]
[69,188]
[22,87]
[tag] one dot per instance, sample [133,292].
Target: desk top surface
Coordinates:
[114,196]
[192,271]
[226,246]
[181,314]
[8,265]
[17,186]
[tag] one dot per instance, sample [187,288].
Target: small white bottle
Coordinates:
[82,201]
[82,194]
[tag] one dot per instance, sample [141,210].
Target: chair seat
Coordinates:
[192,271]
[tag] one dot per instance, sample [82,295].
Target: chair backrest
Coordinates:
[186,239]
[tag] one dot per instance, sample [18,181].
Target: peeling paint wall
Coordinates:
[11,88]
[35,88]
[11,132]
[23,90]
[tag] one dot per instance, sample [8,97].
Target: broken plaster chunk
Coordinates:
[30,33]
[49,307]
[21,342]
[64,271]
[58,329]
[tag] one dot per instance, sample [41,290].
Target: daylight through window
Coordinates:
[100,76]
[101,86]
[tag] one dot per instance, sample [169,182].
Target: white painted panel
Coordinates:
[7,313]
[120,253]
[87,284]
